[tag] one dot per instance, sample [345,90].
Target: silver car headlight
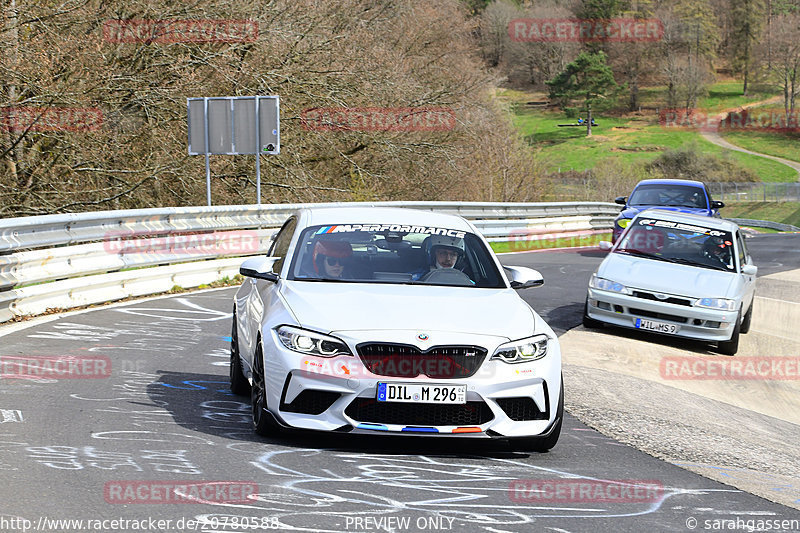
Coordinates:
[607,285]
[310,342]
[722,304]
[523,350]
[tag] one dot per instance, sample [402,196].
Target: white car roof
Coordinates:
[689,218]
[381,215]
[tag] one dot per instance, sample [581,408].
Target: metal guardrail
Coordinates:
[65,261]
[764,224]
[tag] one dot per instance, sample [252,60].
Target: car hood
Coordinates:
[630,212]
[669,278]
[330,307]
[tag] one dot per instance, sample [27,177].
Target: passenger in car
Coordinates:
[330,258]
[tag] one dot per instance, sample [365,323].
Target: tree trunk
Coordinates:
[589,120]
[16,154]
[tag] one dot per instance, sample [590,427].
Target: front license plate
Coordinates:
[421,393]
[661,327]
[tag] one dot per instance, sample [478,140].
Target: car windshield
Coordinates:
[675,242]
[669,195]
[394,253]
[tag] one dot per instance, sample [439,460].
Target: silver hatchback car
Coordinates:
[676,274]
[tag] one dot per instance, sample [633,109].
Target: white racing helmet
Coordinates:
[447,243]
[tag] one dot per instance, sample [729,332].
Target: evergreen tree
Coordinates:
[588,79]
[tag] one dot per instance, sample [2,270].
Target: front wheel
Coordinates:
[239,384]
[730,347]
[748,317]
[588,322]
[263,422]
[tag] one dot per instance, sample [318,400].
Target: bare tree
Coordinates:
[783,50]
[340,53]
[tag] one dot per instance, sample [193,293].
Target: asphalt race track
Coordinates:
[164,414]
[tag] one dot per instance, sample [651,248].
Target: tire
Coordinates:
[263,422]
[730,347]
[748,317]
[544,444]
[239,384]
[588,322]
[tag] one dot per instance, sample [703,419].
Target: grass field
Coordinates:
[545,242]
[634,138]
[783,212]
[726,95]
[780,144]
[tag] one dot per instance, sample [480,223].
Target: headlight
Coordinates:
[722,304]
[607,285]
[623,222]
[311,343]
[523,350]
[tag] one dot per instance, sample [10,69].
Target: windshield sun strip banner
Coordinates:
[681,227]
[399,228]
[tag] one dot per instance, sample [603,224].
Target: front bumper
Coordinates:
[692,322]
[339,394]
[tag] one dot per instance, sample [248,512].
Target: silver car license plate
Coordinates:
[651,325]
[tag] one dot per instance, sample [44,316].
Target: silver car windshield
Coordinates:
[394,253]
[679,243]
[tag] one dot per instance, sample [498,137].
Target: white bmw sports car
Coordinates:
[393,321]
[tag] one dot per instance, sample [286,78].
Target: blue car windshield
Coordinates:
[675,242]
[669,195]
[394,253]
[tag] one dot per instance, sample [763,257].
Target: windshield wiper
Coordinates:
[684,261]
[640,254]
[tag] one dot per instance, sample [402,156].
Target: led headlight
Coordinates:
[623,222]
[523,350]
[721,304]
[310,342]
[607,285]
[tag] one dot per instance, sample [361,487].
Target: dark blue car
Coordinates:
[685,196]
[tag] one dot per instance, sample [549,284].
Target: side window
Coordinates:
[742,249]
[280,247]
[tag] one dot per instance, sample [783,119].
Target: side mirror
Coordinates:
[621,200]
[749,270]
[523,277]
[605,245]
[259,268]
[716,204]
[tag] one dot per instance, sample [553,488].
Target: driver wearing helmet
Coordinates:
[329,258]
[718,251]
[442,252]
[445,251]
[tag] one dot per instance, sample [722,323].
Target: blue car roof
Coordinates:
[693,183]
